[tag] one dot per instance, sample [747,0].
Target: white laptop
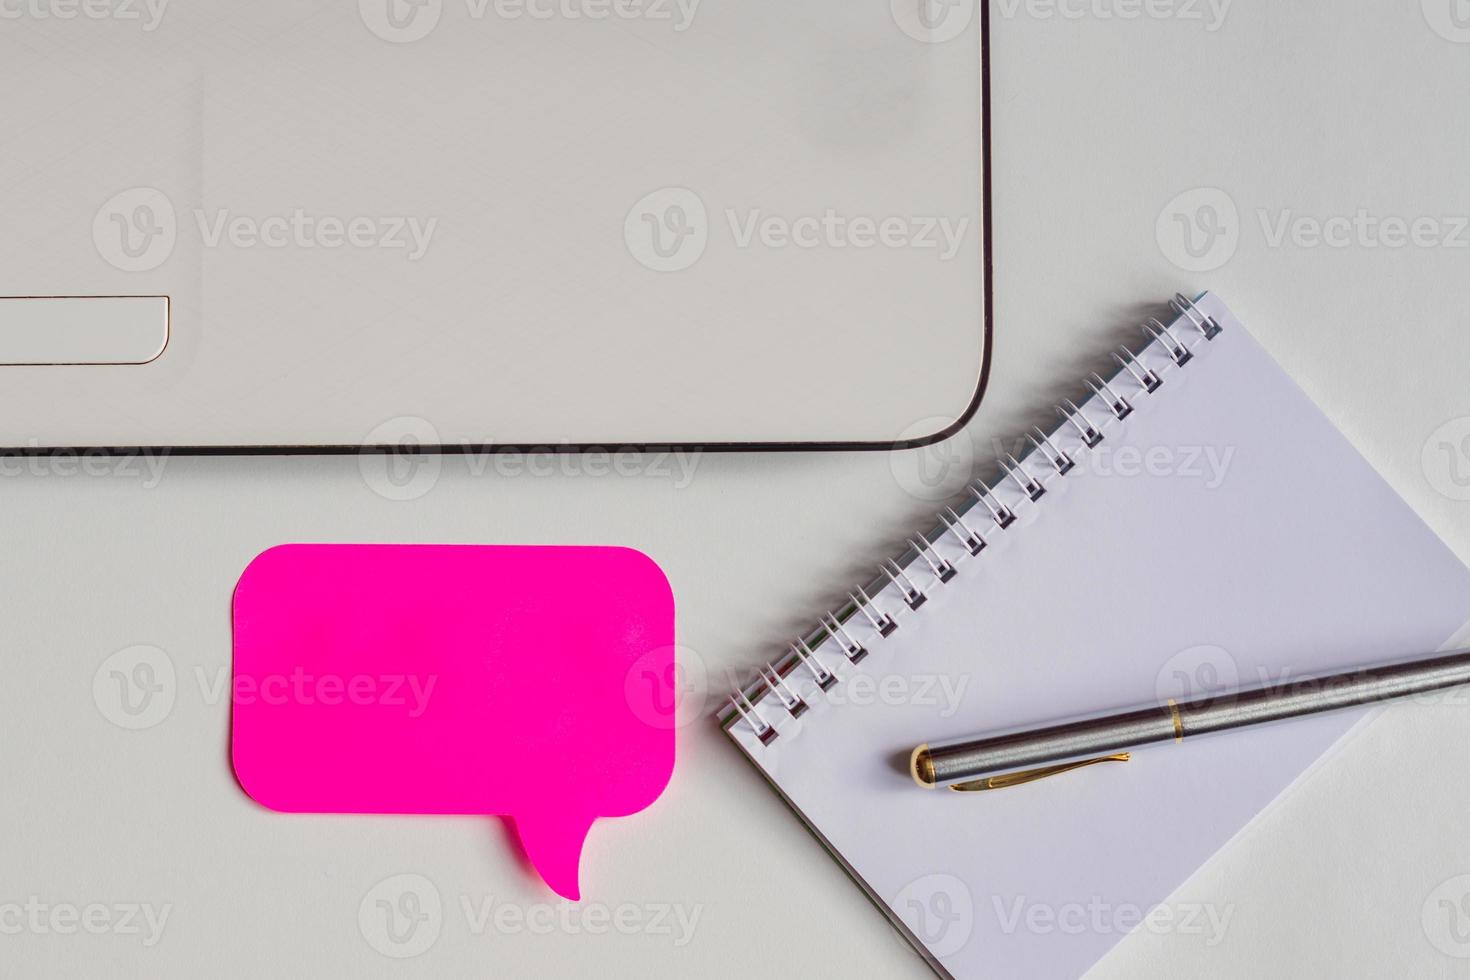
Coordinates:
[468,223]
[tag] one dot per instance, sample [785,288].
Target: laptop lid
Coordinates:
[470,223]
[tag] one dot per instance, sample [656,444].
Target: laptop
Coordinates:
[310,225]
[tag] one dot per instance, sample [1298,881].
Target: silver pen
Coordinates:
[1006,760]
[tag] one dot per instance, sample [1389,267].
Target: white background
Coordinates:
[1320,108]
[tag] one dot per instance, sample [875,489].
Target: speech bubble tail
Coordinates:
[553,844]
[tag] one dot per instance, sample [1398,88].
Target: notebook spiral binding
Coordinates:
[1138,377]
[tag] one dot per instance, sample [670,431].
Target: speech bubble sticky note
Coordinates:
[456,680]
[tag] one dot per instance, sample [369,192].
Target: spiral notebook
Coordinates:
[1195,524]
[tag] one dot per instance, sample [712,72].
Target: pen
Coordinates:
[1006,760]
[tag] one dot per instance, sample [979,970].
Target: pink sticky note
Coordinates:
[457,680]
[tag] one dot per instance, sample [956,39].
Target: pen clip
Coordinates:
[1033,775]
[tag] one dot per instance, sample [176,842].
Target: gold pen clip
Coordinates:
[1033,775]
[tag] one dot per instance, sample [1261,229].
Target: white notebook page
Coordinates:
[1225,533]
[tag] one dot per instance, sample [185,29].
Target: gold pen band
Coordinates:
[1178,721]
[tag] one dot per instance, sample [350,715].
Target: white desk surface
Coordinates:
[1322,108]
